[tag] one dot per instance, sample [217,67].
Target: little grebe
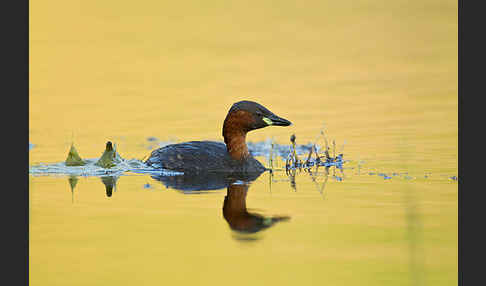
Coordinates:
[210,156]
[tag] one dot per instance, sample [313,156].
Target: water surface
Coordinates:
[379,77]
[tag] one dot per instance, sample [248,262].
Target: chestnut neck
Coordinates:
[235,200]
[234,208]
[234,133]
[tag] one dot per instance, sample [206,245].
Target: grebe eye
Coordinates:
[259,113]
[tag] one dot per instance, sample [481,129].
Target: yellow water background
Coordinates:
[379,76]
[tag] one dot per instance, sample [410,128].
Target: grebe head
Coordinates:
[243,117]
[249,115]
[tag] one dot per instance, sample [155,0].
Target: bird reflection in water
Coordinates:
[237,216]
[243,223]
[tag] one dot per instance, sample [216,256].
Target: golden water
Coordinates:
[380,75]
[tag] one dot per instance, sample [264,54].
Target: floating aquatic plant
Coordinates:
[294,162]
[109,158]
[110,163]
[73,158]
[313,158]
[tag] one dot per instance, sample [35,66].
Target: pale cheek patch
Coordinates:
[267,121]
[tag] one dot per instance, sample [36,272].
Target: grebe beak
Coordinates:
[276,121]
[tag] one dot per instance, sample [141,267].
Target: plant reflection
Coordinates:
[110,184]
[108,181]
[73,181]
[315,177]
